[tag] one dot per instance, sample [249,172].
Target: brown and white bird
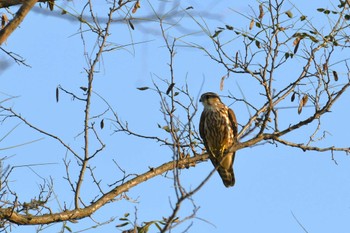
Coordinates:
[218,129]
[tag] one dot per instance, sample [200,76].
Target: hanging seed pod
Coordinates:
[302,103]
[57,94]
[293,97]
[261,11]
[335,74]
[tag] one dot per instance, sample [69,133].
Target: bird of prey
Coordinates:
[218,129]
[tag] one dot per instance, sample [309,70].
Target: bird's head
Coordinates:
[210,99]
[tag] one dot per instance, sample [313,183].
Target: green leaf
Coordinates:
[126,215]
[131,25]
[302,18]
[327,12]
[313,39]
[142,88]
[229,27]
[257,43]
[289,14]
[166,128]
[122,224]
[320,9]
[170,88]
[68,228]
[217,33]
[347,17]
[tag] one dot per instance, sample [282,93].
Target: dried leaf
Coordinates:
[102,124]
[251,25]
[325,67]
[335,74]
[4,20]
[136,6]
[170,88]
[302,103]
[57,94]
[222,81]
[261,11]
[120,2]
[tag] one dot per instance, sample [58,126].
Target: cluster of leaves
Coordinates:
[144,228]
[341,5]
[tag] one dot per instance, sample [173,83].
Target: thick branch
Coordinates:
[8,3]
[21,13]
[20,219]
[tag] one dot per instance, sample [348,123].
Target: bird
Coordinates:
[218,130]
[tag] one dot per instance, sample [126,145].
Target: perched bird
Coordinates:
[218,129]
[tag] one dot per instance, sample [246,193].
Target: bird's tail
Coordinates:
[227,176]
[225,170]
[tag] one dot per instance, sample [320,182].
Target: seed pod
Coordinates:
[261,11]
[251,25]
[102,124]
[335,74]
[57,94]
[293,97]
[302,103]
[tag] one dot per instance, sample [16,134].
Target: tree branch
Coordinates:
[21,219]
[14,23]
[8,3]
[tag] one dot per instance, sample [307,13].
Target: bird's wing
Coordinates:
[201,129]
[233,121]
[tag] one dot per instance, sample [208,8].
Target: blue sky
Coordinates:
[272,183]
